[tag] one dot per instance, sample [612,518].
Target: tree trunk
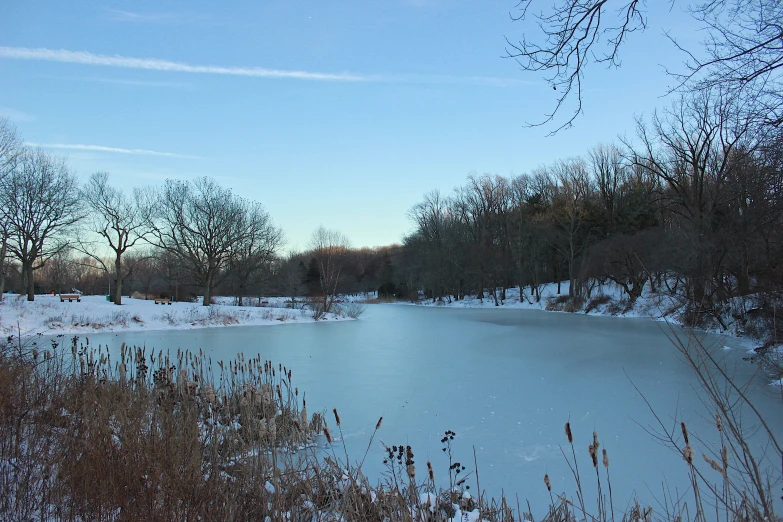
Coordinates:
[207,289]
[28,270]
[743,278]
[2,267]
[118,287]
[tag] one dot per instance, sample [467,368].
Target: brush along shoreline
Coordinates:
[165,436]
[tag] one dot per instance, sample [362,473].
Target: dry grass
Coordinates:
[565,303]
[154,436]
[597,301]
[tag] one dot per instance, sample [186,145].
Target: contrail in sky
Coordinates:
[153,64]
[100,148]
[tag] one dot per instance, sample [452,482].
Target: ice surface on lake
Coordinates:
[505,381]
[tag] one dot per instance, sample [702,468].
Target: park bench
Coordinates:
[70,297]
[162,300]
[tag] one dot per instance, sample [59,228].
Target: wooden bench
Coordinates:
[70,297]
[162,300]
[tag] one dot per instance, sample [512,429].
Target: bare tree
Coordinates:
[40,201]
[10,149]
[570,33]
[252,257]
[203,225]
[742,52]
[329,248]
[290,274]
[690,149]
[569,213]
[118,219]
[431,217]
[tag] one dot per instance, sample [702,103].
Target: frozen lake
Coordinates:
[505,381]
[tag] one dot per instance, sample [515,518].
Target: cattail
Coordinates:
[336,416]
[272,429]
[687,454]
[685,433]
[595,440]
[568,432]
[378,424]
[725,457]
[606,459]
[411,469]
[430,472]
[714,465]
[718,422]
[209,394]
[328,434]
[593,454]
[546,481]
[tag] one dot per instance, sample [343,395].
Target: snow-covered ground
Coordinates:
[47,315]
[657,306]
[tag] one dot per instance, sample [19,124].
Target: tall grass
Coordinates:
[137,435]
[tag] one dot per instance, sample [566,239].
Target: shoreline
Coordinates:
[48,316]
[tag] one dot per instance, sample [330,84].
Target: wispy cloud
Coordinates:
[117,150]
[154,64]
[157,18]
[119,81]
[85,58]
[16,115]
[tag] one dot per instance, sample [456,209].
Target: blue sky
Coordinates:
[340,114]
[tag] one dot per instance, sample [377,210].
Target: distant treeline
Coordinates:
[692,206]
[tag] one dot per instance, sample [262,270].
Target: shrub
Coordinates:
[565,303]
[387,289]
[353,309]
[597,301]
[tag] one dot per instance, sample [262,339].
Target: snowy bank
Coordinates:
[47,315]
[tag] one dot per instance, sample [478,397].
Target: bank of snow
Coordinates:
[607,299]
[47,315]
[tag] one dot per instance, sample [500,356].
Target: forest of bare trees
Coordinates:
[692,205]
